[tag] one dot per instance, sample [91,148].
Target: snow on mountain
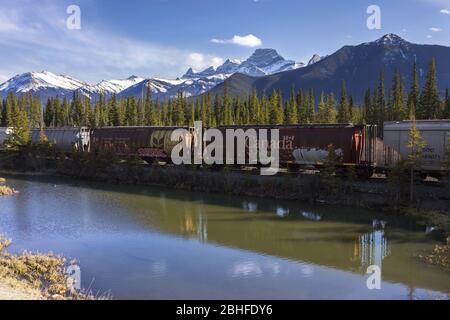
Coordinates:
[116,86]
[45,84]
[315,58]
[265,62]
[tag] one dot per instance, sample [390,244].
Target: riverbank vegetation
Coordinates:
[35,276]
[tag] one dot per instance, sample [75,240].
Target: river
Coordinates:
[154,243]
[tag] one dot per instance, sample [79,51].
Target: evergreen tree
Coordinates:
[331,116]
[369,109]
[11,106]
[49,114]
[343,109]
[77,110]
[380,102]
[66,118]
[117,116]
[429,100]
[322,110]
[150,118]
[414,93]
[292,109]
[447,105]
[35,113]
[416,144]
[398,98]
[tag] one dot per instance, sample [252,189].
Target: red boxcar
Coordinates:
[145,142]
[308,144]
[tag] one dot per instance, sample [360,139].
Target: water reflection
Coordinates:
[133,240]
[282,212]
[373,247]
[311,216]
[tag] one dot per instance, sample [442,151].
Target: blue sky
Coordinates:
[162,38]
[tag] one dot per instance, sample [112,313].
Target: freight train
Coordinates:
[359,146]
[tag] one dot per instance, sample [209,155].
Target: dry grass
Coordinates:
[34,273]
[440,256]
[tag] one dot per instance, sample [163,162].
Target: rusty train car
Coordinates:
[307,145]
[148,143]
[359,146]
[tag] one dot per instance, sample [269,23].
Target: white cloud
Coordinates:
[429,36]
[445,11]
[435,29]
[199,61]
[44,43]
[247,41]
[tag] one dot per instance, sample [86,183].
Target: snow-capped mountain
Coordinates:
[358,65]
[45,84]
[265,62]
[261,62]
[315,58]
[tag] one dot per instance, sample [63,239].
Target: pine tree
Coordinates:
[343,109]
[116,115]
[369,111]
[292,109]
[77,110]
[49,114]
[35,113]
[66,117]
[150,119]
[226,116]
[331,116]
[416,144]
[87,112]
[447,105]
[11,106]
[398,98]
[254,108]
[429,100]
[322,111]
[380,102]
[414,93]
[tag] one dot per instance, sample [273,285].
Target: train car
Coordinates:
[5,133]
[436,134]
[148,143]
[307,145]
[65,139]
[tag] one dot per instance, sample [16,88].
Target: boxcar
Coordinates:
[65,139]
[436,134]
[307,145]
[148,143]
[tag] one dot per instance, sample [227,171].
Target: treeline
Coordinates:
[399,102]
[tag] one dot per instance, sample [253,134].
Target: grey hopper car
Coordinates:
[65,139]
[436,134]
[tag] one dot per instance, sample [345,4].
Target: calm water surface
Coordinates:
[154,243]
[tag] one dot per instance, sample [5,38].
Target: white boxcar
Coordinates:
[65,139]
[436,134]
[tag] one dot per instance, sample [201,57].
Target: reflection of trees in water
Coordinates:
[195,227]
[372,248]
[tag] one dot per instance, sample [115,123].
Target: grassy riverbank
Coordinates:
[34,276]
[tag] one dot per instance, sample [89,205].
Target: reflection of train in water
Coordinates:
[305,146]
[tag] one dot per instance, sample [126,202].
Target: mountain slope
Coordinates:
[44,84]
[358,65]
